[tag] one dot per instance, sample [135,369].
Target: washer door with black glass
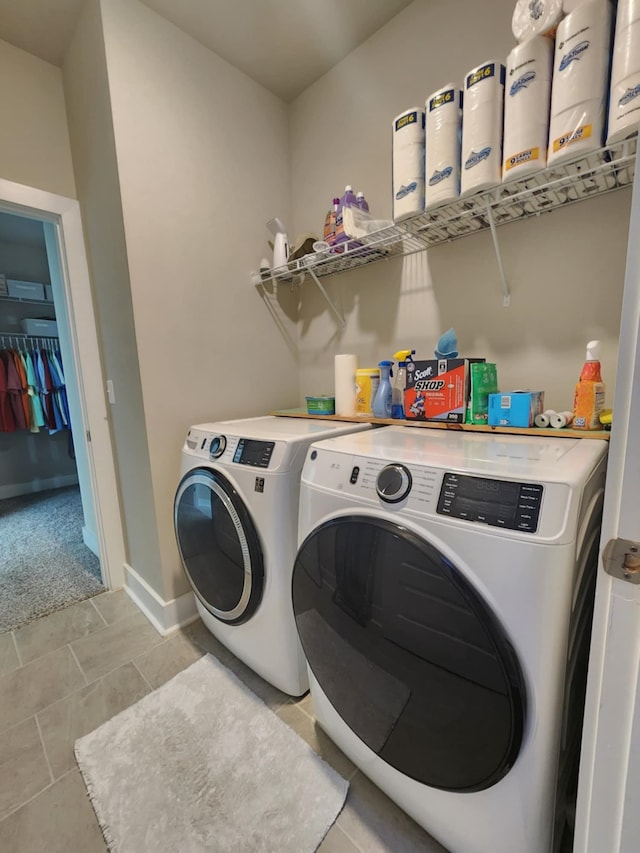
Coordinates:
[219,545]
[408,653]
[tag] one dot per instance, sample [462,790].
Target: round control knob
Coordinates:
[393,483]
[217,446]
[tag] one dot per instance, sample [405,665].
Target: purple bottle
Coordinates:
[362,202]
[347,200]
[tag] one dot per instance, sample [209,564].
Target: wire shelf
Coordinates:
[603,171]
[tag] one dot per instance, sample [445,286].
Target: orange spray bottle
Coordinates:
[588,399]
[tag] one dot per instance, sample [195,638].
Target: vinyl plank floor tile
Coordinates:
[56,630]
[86,709]
[23,766]
[308,730]
[335,841]
[168,659]
[29,689]
[377,825]
[109,648]
[59,820]
[115,605]
[8,655]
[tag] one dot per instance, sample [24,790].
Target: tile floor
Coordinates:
[64,675]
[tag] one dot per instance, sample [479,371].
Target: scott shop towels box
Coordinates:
[515,408]
[438,390]
[408,163]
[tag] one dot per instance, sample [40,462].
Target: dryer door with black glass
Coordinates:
[408,653]
[219,546]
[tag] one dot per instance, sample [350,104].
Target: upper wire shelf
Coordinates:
[605,170]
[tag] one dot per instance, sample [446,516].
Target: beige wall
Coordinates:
[202,162]
[565,270]
[34,142]
[91,131]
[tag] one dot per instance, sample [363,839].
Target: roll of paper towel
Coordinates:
[580,75]
[481,153]
[624,101]
[443,129]
[536,18]
[526,107]
[345,367]
[408,163]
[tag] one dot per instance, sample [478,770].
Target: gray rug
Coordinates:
[44,563]
[202,764]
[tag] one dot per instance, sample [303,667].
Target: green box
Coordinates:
[483,381]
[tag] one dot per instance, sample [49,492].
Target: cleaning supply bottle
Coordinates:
[362,202]
[383,400]
[397,403]
[588,401]
[330,223]
[347,200]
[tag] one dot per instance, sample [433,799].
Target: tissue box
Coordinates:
[438,390]
[515,408]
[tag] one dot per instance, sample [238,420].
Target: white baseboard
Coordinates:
[165,616]
[14,490]
[90,540]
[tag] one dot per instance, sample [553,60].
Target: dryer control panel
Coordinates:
[499,503]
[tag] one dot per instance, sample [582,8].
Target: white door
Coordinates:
[65,236]
[608,809]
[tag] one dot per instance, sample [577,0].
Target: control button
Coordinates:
[314,454]
[353,479]
[217,446]
[393,483]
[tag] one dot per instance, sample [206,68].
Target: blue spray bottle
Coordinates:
[382,401]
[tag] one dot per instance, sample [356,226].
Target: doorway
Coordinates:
[72,298]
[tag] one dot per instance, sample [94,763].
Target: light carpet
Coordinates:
[202,764]
[44,563]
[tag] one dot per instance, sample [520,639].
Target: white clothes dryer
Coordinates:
[443,593]
[235,519]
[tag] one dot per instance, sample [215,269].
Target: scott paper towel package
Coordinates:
[536,18]
[526,107]
[408,163]
[442,164]
[580,81]
[481,154]
[624,101]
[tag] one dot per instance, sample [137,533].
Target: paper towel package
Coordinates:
[624,101]
[537,18]
[580,81]
[443,129]
[482,108]
[527,99]
[408,163]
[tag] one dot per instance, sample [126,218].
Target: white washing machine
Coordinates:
[442,592]
[236,521]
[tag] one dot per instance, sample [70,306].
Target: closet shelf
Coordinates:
[605,170]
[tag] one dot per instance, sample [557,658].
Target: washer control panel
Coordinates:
[499,503]
[257,454]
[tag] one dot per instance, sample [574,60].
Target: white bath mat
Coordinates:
[202,764]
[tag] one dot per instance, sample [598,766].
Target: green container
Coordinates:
[321,405]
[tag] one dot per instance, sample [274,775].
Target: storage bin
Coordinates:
[48,292]
[40,328]
[25,289]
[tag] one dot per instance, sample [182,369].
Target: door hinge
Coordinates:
[88,435]
[621,558]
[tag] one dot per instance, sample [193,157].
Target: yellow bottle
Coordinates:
[588,401]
